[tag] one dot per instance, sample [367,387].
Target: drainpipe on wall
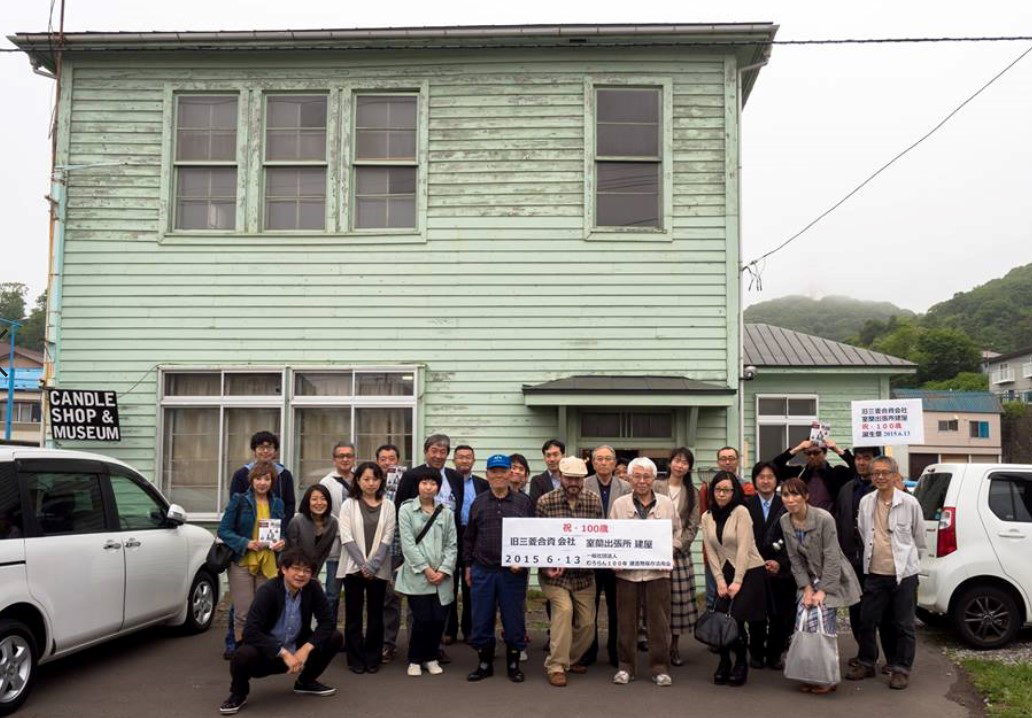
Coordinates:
[746,461]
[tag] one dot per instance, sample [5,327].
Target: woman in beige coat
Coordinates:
[738,568]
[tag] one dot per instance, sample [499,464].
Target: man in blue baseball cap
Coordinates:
[494,587]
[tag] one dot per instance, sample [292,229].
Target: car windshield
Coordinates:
[931,494]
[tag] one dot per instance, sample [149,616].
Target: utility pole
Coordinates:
[9,423]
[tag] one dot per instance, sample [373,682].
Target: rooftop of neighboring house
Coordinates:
[770,346]
[969,402]
[989,361]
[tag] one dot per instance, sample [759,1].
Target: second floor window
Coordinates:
[295,162]
[628,166]
[206,162]
[385,161]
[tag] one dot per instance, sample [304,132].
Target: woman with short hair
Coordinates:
[429,542]
[254,561]
[314,529]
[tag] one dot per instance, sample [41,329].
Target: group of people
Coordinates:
[782,549]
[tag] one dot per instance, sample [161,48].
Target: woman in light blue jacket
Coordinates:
[429,543]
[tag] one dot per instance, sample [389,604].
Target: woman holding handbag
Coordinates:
[826,583]
[254,560]
[684,611]
[367,525]
[429,542]
[738,567]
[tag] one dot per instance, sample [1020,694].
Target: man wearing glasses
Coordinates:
[278,635]
[338,482]
[891,526]
[609,487]
[823,480]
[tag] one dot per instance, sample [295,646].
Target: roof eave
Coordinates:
[752,40]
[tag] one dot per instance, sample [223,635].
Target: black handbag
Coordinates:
[220,555]
[716,628]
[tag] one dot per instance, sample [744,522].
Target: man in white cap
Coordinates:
[571,591]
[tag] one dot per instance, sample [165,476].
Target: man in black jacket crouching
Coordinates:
[278,637]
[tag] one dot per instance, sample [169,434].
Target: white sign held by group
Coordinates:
[587,543]
[888,422]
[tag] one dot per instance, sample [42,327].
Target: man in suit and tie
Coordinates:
[548,480]
[767,638]
[605,483]
[472,486]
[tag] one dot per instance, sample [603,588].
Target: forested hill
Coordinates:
[997,314]
[837,318]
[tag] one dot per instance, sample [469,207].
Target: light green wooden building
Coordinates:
[505,234]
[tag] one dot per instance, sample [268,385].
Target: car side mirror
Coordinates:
[176,515]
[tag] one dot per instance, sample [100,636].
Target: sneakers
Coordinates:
[662,679]
[232,704]
[414,670]
[313,688]
[622,678]
[859,672]
[434,668]
[899,680]
[387,654]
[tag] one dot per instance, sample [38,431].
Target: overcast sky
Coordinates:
[954,213]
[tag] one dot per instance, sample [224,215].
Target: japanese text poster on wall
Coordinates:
[887,422]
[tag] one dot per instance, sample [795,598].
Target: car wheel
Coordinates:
[986,617]
[200,603]
[17,665]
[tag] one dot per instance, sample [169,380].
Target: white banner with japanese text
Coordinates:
[587,543]
[888,422]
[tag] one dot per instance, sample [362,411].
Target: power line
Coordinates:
[209,46]
[751,267]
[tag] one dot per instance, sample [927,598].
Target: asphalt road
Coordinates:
[157,674]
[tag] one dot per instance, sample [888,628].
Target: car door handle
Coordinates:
[132,543]
[1011,534]
[111,545]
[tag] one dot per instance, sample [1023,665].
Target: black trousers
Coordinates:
[887,627]
[768,639]
[453,622]
[428,618]
[884,595]
[605,582]
[363,593]
[248,662]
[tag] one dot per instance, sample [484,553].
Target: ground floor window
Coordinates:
[782,421]
[209,416]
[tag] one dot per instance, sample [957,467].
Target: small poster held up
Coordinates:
[819,431]
[268,531]
[887,422]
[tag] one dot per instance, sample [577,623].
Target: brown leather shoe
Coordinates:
[899,680]
[578,668]
[557,679]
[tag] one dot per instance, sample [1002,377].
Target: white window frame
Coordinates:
[250,164]
[783,420]
[286,402]
[1026,369]
[664,232]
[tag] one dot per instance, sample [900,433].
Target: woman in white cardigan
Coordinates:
[367,525]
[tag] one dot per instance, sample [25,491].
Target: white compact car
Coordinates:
[978,571]
[89,550]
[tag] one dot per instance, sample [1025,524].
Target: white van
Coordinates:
[89,550]
[978,571]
